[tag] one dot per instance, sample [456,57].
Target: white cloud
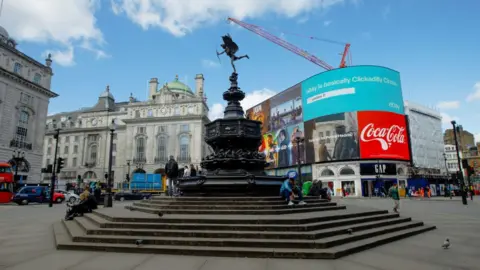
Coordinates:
[327,23]
[385,12]
[454,104]
[209,63]
[182,17]
[216,111]
[475,94]
[447,119]
[251,99]
[63,58]
[62,23]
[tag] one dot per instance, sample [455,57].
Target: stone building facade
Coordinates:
[170,122]
[24,98]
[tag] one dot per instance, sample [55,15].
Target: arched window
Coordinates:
[327,172]
[184,148]
[93,154]
[89,175]
[162,147]
[140,148]
[347,171]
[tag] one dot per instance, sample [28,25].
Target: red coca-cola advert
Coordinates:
[382,135]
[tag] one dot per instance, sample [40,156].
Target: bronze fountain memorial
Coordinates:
[236,167]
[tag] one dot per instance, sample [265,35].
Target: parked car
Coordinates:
[71,197]
[131,195]
[36,194]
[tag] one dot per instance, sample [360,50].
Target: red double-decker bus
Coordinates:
[6,182]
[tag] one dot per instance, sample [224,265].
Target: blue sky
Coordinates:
[123,43]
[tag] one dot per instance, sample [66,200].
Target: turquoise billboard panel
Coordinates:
[357,88]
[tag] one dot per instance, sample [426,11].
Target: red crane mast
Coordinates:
[287,45]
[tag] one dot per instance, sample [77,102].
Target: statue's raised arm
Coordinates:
[230,48]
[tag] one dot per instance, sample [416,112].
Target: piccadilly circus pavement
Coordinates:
[27,242]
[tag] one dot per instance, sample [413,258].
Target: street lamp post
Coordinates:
[462,189]
[108,197]
[299,139]
[52,180]
[446,173]
[127,177]
[17,156]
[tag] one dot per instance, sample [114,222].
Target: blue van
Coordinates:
[29,194]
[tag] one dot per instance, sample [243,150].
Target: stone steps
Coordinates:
[217,225]
[187,201]
[91,228]
[148,208]
[319,229]
[225,199]
[68,234]
[228,207]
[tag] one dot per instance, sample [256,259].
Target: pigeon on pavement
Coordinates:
[446,244]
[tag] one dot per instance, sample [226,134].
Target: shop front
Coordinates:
[362,178]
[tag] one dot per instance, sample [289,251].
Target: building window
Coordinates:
[22,127]
[141,130]
[163,129]
[17,68]
[114,160]
[162,147]
[67,139]
[48,161]
[65,150]
[49,151]
[37,78]
[150,113]
[114,147]
[140,148]
[75,149]
[74,162]
[50,140]
[327,133]
[137,114]
[114,136]
[177,111]
[92,138]
[93,154]
[77,138]
[184,147]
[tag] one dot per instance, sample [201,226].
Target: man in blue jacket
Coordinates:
[289,190]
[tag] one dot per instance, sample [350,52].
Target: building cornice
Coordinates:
[166,119]
[175,102]
[17,78]
[26,57]
[82,130]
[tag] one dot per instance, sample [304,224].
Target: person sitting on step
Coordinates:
[289,190]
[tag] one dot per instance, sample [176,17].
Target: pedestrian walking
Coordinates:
[393,192]
[171,170]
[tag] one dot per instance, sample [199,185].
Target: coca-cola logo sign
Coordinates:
[383,135]
[386,136]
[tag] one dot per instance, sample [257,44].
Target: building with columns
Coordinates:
[170,122]
[24,98]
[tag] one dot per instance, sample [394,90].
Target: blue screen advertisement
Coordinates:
[357,88]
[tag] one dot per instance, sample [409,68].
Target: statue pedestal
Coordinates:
[236,166]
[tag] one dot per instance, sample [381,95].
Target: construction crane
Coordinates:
[281,42]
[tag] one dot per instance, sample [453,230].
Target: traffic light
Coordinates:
[60,164]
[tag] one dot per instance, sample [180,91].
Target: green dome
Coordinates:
[178,87]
